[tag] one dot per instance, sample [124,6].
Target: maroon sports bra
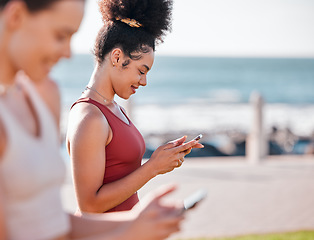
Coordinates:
[123,154]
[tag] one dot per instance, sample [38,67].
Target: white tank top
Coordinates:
[31,174]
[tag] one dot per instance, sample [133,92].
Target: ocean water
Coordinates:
[199,94]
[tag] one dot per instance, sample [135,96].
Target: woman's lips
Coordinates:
[134,89]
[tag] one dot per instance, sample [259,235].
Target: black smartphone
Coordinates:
[191,201]
[198,137]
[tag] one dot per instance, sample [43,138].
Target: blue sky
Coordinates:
[229,28]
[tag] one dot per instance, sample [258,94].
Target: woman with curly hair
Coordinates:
[105,147]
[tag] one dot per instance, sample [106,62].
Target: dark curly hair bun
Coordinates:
[153,15]
[132,25]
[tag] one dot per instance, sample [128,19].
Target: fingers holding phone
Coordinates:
[180,141]
[171,155]
[187,147]
[196,145]
[175,143]
[180,162]
[197,138]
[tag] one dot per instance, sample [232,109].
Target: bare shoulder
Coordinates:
[87,120]
[49,92]
[85,113]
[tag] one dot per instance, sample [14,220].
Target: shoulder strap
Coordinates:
[106,111]
[110,116]
[87,100]
[47,123]
[6,118]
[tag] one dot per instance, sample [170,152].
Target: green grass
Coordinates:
[301,235]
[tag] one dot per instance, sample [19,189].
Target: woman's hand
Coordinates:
[156,221]
[171,155]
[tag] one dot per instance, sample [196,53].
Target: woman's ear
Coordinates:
[116,56]
[14,14]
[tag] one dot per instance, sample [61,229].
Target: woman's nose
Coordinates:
[143,80]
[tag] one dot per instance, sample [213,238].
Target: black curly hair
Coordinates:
[153,15]
[33,5]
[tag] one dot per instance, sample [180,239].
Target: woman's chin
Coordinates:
[37,77]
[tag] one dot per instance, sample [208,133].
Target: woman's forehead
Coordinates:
[66,13]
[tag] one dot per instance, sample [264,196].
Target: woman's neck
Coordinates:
[100,81]
[7,69]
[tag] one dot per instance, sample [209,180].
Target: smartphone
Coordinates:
[191,201]
[198,137]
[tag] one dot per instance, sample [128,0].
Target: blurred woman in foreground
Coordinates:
[34,35]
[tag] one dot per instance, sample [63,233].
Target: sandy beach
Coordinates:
[274,196]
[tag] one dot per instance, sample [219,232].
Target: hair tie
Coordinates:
[130,22]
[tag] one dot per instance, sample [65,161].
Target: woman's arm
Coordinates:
[97,227]
[155,221]
[88,134]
